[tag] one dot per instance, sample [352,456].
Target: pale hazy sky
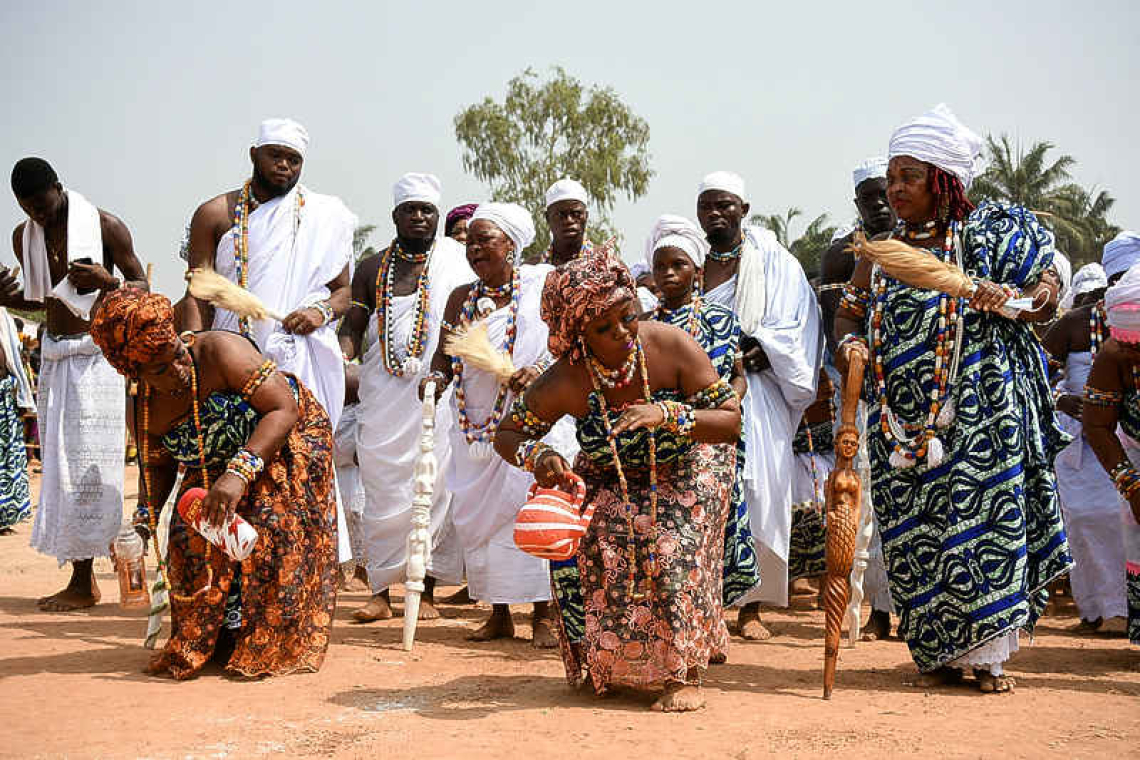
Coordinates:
[148,108]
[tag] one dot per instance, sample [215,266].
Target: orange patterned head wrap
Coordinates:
[580,291]
[132,327]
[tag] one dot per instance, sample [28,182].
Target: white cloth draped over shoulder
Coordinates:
[775,304]
[388,433]
[10,344]
[290,266]
[1091,508]
[488,492]
[84,241]
[82,423]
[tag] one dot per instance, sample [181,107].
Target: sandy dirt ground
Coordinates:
[71,686]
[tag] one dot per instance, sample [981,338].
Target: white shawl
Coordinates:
[84,240]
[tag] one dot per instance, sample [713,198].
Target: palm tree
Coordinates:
[1025,178]
[809,246]
[360,240]
[1079,220]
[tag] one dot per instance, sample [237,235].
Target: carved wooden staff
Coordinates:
[843,492]
[419,538]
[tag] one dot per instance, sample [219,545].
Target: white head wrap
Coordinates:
[1064,269]
[727,181]
[937,137]
[1122,302]
[872,168]
[416,187]
[1088,278]
[283,132]
[566,190]
[671,230]
[1121,253]
[511,218]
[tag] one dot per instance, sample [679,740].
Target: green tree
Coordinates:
[809,246]
[360,247]
[1079,220]
[546,130]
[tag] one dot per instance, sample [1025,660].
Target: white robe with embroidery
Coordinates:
[488,492]
[783,310]
[388,434]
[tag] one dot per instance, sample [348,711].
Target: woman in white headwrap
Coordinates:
[488,492]
[962,433]
[1112,399]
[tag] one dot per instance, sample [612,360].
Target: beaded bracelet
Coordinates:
[528,454]
[1097,397]
[326,310]
[260,375]
[855,300]
[712,397]
[359,305]
[850,338]
[1125,478]
[245,465]
[677,418]
[527,421]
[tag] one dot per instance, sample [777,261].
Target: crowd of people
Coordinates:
[693,395]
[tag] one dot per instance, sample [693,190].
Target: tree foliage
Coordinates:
[360,247]
[809,246]
[1031,178]
[546,130]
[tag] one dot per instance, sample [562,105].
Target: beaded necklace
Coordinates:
[926,233]
[723,256]
[661,314]
[480,437]
[1097,324]
[548,255]
[417,340]
[246,203]
[948,343]
[639,353]
[152,517]
[615,378]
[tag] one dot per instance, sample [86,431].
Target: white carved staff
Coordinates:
[419,538]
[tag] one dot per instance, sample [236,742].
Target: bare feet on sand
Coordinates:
[428,609]
[462,596]
[378,608]
[750,626]
[991,684]
[498,626]
[82,591]
[1116,627]
[679,697]
[943,676]
[1087,627]
[543,627]
[878,626]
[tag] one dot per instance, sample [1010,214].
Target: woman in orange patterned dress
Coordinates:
[262,445]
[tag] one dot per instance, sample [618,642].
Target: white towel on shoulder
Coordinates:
[84,240]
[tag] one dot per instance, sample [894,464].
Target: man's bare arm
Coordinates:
[11,294]
[195,314]
[117,241]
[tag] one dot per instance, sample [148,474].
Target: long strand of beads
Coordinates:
[661,314]
[947,356]
[480,438]
[623,484]
[417,340]
[245,205]
[1097,330]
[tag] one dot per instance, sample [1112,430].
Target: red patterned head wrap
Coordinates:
[132,327]
[580,291]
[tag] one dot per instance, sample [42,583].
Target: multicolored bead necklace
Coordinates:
[152,516]
[947,357]
[661,314]
[246,203]
[926,233]
[480,437]
[548,255]
[723,256]
[639,355]
[417,340]
[615,378]
[1098,328]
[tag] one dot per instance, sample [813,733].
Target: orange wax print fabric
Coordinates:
[288,584]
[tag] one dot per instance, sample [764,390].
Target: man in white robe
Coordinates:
[291,247]
[68,249]
[394,360]
[748,271]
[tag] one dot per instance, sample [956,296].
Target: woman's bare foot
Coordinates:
[378,608]
[543,627]
[498,626]
[1116,627]
[878,626]
[82,591]
[1087,627]
[679,697]
[991,684]
[750,626]
[943,676]
[428,609]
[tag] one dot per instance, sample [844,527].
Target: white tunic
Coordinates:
[388,433]
[1091,507]
[792,339]
[488,492]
